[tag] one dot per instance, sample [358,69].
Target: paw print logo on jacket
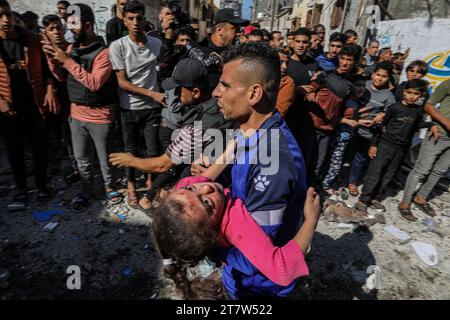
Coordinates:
[261,183]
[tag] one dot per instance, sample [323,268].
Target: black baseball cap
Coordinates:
[187,73]
[229,15]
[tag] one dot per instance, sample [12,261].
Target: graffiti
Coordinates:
[439,68]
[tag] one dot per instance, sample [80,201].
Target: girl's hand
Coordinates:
[312,206]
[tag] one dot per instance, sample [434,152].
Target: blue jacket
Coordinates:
[274,200]
[327,64]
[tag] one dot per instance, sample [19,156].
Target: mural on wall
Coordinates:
[429,41]
[102,9]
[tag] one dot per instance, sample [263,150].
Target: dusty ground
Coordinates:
[118,261]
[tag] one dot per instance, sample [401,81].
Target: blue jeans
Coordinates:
[360,160]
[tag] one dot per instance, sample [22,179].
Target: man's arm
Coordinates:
[126,85]
[437,116]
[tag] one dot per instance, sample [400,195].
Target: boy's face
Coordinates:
[135,22]
[373,49]
[380,78]
[352,40]
[183,40]
[54,31]
[277,40]
[315,41]
[62,10]
[412,95]
[202,201]
[414,73]
[346,63]
[301,44]
[289,41]
[283,63]
[6,19]
[188,96]
[334,48]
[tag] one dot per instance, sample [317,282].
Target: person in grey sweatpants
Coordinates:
[86,136]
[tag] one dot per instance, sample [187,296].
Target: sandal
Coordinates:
[132,199]
[20,202]
[407,214]
[426,208]
[353,190]
[80,203]
[114,197]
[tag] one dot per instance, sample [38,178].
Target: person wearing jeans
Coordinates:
[434,157]
[134,59]
[86,68]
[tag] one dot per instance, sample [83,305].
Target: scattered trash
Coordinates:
[346,226]
[51,225]
[397,233]
[121,231]
[432,226]
[203,269]
[46,215]
[446,212]
[345,195]
[127,272]
[426,252]
[154,296]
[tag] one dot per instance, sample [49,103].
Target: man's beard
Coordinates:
[81,37]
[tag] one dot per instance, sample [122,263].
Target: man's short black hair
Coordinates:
[350,33]
[49,19]
[184,31]
[421,65]
[351,50]
[29,16]
[418,84]
[317,27]
[384,50]
[313,33]
[276,31]
[4,3]
[303,32]
[134,6]
[86,13]
[384,65]
[290,33]
[266,34]
[256,33]
[262,63]
[337,37]
[64,2]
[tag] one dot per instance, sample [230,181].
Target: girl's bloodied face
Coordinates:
[202,201]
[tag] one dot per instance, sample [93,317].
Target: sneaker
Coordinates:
[378,206]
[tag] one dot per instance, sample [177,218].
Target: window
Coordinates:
[337,14]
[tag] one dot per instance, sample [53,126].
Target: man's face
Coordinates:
[290,41]
[228,33]
[203,201]
[121,5]
[346,63]
[54,31]
[300,44]
[334,48]
[411,95]
[380,78]
[62,11]
[78,29]
[387,55]
[321,33]
[232,93]
[183,40]
[373,49]
[6,19]
[352,40]
[283,63]
[315,41]
[254,38]
[135,22]
[277,40]
[414,73]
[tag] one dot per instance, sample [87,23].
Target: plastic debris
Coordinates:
[427,252]
[346,226]
[397,233]
[51,225]
[121,231]
[432,226]
[46,215]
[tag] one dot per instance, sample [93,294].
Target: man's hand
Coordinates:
[51,101]
[365,123]
[200,165]
[312,206]
[5,108]
[311,97]
[373,152]
[158,97]
[305,89]
[60,55]
[121,159]
[379,118]
[434,132]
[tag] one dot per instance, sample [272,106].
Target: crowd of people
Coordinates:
[135,101]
